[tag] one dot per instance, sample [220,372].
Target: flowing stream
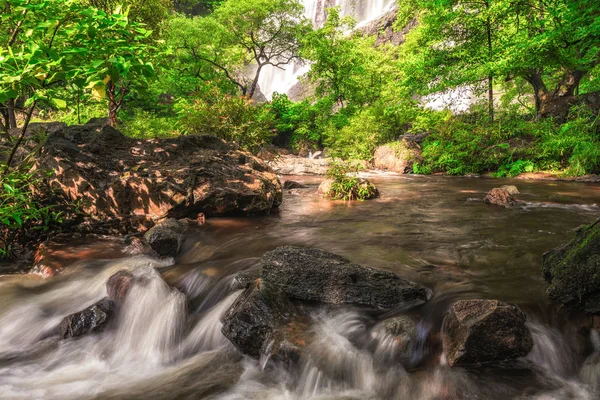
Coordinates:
[166,342]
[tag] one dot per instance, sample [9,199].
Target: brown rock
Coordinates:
[479,331]
[325,187]
[398,157]
[499,197]
[119,178]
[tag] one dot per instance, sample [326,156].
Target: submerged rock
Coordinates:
[252,321]
[166,237]
[398,156]
[499,197]
[88,320]
[287,185]
[479,331]
[573,270]
[316,275]
[396,338]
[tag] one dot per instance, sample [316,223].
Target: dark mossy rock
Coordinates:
[166,237]
[316,275]
[245,278]
[573,270]
[481,331]
[287,185]
[88,320]
[253,320]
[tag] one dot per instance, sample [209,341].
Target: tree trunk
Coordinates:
[490,56]
[15,147]
[115,101]
[12,118]
[254,83]
[540,92]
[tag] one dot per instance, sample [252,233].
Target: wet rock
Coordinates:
[573,270]
[166,237]
[294,165]
[287,185]
[316,275]
[480,331]
[117,178]
[511,189]
[325,188]
[499,197]
[254,318]
[98,315]
[396,339]
[88,320]
[245,278]
[398,156]
[118,286]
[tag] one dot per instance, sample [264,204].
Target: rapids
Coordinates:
[166,341]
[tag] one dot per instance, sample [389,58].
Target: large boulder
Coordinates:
[499,197]
[254,319]
[316,275]
[398,156]
[120,178]
[480,331]
[573,270]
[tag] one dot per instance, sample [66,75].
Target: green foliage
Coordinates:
[22,210]
[346,185]
[233,118]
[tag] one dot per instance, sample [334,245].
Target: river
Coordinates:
[166,342]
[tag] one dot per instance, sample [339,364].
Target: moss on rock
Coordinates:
[573,270]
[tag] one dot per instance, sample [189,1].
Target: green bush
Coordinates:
[24,213]
[346,185]
[232,118]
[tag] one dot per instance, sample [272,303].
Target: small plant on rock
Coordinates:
[344,184]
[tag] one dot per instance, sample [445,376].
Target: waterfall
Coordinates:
[281,80]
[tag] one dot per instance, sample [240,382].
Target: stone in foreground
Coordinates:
[316,275]
[255,317]
[481,331]
[573,270]
[499,197]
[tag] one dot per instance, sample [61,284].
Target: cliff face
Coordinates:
[383,28]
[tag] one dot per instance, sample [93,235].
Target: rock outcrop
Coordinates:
[480,331]
[384,28]
[573,270]
[511,189]
[316,275]
[499,197]
[288,185]
[115,177]
[398,156]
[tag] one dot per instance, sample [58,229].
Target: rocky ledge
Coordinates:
[117,177]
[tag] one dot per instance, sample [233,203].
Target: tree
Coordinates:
[545,42]
[56,43]
[345,66]
[241,33]
[149,12]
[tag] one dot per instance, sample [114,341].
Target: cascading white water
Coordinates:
[280,80]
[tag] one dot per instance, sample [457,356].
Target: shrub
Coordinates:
[346,185]
[24,213]
[232,118]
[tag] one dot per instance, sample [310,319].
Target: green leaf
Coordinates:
[61,104]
